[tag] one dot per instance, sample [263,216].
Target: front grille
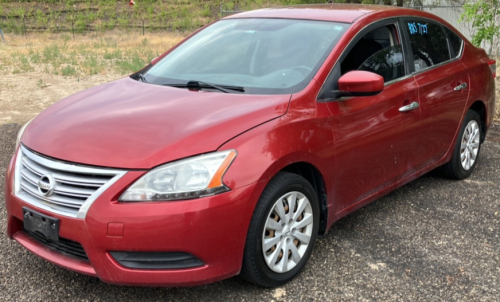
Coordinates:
[63,246]
[73,187]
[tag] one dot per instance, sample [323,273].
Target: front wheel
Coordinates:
[467,148]
[282,231]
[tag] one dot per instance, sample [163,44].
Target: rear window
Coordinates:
[428,43]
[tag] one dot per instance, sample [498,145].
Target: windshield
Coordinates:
[260,56]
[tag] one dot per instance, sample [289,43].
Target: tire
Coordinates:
[467,148]
[268,268]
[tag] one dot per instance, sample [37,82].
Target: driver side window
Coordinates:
[378,51]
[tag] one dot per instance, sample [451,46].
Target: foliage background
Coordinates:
[100,15]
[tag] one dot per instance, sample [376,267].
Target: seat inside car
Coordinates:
[368,45]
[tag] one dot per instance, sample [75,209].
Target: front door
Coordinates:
[375,136]
[374,141]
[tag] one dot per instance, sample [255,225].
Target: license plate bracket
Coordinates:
[34,221]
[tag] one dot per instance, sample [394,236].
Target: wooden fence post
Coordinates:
[1,34]
[24,29]
[72,26]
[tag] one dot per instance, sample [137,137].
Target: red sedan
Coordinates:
[233,151]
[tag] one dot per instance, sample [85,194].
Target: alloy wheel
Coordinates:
[470,145]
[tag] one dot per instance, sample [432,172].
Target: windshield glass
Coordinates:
[263,56]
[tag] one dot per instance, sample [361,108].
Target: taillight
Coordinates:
[493,67]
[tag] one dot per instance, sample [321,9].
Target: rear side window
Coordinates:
[428,43]
[455,42]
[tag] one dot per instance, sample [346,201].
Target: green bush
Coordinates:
[51,53]
[80,26]
[111,24]
[35,57]
[68,71]
[25,64]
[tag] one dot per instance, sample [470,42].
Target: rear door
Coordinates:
[442,81]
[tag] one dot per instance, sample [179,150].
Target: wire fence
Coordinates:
[91,16]
[25,25]
[73,25]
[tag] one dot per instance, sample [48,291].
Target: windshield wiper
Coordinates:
[201,85]
[142,78]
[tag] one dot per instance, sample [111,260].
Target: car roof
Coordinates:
[344,13]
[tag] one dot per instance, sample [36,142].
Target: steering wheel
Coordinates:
[304,70]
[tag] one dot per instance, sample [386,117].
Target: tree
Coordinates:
[483,15]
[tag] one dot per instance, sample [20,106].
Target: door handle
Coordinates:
[460,87]
[412,106]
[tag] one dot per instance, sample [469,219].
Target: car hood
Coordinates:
[134,125]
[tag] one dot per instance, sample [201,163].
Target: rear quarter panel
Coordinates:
[482,83]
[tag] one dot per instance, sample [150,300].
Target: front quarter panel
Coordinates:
[9,175]
[304,134]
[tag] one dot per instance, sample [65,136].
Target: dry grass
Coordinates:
[45,68]
[61,54]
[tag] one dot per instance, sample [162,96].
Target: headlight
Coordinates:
[20,133]
[190,178]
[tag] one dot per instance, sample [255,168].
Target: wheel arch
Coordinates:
[281,151]
[480,108]
[315,178]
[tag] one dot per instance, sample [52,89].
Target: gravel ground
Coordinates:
[431,240]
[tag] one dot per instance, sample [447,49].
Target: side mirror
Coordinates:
[360,83]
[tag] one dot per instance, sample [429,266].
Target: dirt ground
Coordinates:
[41,69]
[23,96]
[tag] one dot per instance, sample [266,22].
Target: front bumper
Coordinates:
[213,229]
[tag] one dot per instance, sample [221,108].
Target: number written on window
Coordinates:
[428,43]
[417,28]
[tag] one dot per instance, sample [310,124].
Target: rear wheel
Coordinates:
[467,148]
[282,231]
